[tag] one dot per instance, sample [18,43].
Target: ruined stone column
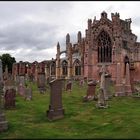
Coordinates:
[89,64]
[58,62]
[128,89]
[119,87]
[70,61]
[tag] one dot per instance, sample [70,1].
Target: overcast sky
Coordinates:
[29,31]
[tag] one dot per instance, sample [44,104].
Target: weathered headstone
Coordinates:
[21,89]
[102,93]
[69,85]
[3,122]
[104,82]
[108,85]
[10,96]
[31,78]
[9,84]
[17,79]
[28,93]
[41,82]
[101,99]
[56,110]
[81,82]
[90,91]
[22,80]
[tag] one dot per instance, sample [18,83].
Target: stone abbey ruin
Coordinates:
[109,42]
[109,53]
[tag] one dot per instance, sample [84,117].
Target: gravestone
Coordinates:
[31,78]
[28,93]
[69,85]
[102,93]
[81,82]
[17,79]
[9,97]
[56,110]
[108,85]
[3,122]
[21,89]
[9,84]
[104,82]
[101,99]
[22,80]
[90,91]
[41,82]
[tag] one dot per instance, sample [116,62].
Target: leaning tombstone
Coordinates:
[3,122]
[90,91]
[56,110]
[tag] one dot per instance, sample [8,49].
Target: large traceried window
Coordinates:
[104,47]
[64,67]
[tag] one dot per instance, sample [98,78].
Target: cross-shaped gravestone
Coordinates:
[101,99]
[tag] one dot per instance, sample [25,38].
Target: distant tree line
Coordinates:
[7,60]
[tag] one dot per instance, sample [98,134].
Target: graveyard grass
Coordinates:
[82,120]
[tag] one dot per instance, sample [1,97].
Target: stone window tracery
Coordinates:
[64,67]
[104,47]
[77,67]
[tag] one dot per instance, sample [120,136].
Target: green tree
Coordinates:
[8,60]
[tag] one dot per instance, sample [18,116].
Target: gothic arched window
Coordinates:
[104,47]
[77,67]
[53,66]
[64,67]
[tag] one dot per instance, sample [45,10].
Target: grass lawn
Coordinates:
[82,120]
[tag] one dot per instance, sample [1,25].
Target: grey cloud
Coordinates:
[28,34]
[40,25]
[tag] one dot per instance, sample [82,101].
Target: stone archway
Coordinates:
[126,60]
